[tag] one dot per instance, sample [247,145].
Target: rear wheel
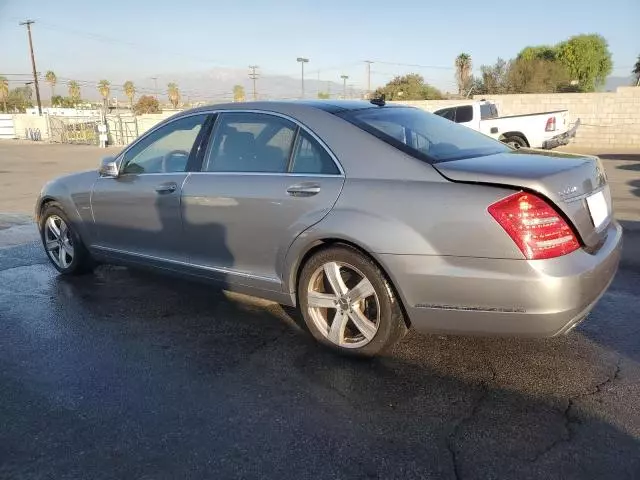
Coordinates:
[62,243]
[348,304]
[515,141]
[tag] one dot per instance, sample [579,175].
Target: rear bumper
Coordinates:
[538,298]
[562,139]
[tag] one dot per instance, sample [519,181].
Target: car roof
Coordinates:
[331,106]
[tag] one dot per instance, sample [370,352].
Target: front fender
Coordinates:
[73,193]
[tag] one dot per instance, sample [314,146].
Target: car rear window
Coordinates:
[487,111]
[424,135]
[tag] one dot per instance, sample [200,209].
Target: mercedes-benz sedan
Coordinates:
[371,218]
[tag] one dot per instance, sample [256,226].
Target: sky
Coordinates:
[120,39]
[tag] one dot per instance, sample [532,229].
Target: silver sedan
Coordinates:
[371,218]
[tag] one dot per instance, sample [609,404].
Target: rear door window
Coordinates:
[448,113]
[251,142]
[311,158]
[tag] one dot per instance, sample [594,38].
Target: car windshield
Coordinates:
[424,135]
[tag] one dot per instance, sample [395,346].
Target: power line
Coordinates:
[415,65]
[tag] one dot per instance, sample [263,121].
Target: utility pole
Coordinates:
[302,61]
[33,64]
[344,85]
[155,86]
[368,62]
[254,76]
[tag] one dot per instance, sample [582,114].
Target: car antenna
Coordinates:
[379,101]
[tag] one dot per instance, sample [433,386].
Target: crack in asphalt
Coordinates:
[475,408]
[569,420]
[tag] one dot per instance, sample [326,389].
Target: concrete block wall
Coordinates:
[607,119]
[27,125]
[149,120]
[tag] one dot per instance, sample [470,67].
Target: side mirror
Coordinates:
[108,167]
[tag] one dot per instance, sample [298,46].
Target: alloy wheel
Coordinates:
[343,305]
[58,242]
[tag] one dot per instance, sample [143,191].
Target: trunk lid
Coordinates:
[575,184]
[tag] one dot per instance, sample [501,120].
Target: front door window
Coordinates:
[166,150]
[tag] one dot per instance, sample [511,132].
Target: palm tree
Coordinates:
[174,94]
[4,92]
[74,91]
[104,87]
[463,72]
[636,71]
[51,79]
[129,91]
[238,93]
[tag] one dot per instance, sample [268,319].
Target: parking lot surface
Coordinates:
[124,374]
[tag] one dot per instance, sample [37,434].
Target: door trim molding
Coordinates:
[223,270]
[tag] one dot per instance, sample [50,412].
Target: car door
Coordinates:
[264,180]
[138,212]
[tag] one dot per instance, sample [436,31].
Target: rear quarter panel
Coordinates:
[429,216]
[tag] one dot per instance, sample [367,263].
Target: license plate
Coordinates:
[598,209]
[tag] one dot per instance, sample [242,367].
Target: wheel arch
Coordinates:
[323,243]
[506,135]
[42,204]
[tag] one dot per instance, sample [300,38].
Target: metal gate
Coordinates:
[80,130]
[123,129]
[7,129]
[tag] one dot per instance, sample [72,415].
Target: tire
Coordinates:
[75,258]
[515,141]
[383,324]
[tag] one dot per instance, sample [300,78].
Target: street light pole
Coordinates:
[368,62]
[302,61]
[254,76]
[155,86]
[344,85]
[33,64]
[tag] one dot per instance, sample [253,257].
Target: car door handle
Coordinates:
[304,190]
[167,187]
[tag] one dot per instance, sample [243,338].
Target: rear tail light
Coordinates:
[538,230]
[551,125]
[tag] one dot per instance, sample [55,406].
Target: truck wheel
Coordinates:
[515,141]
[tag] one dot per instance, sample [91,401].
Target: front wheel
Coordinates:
[348,304]
[62,243]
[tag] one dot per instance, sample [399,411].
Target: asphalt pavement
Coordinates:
[128,375]
[123,374]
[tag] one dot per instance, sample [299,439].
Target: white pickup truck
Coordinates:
[545,130]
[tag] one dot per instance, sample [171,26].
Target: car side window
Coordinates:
[250,142]
[165,150]
[464,114]
[310,157]
[448,113]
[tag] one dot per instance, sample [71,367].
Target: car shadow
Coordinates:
[225,374]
